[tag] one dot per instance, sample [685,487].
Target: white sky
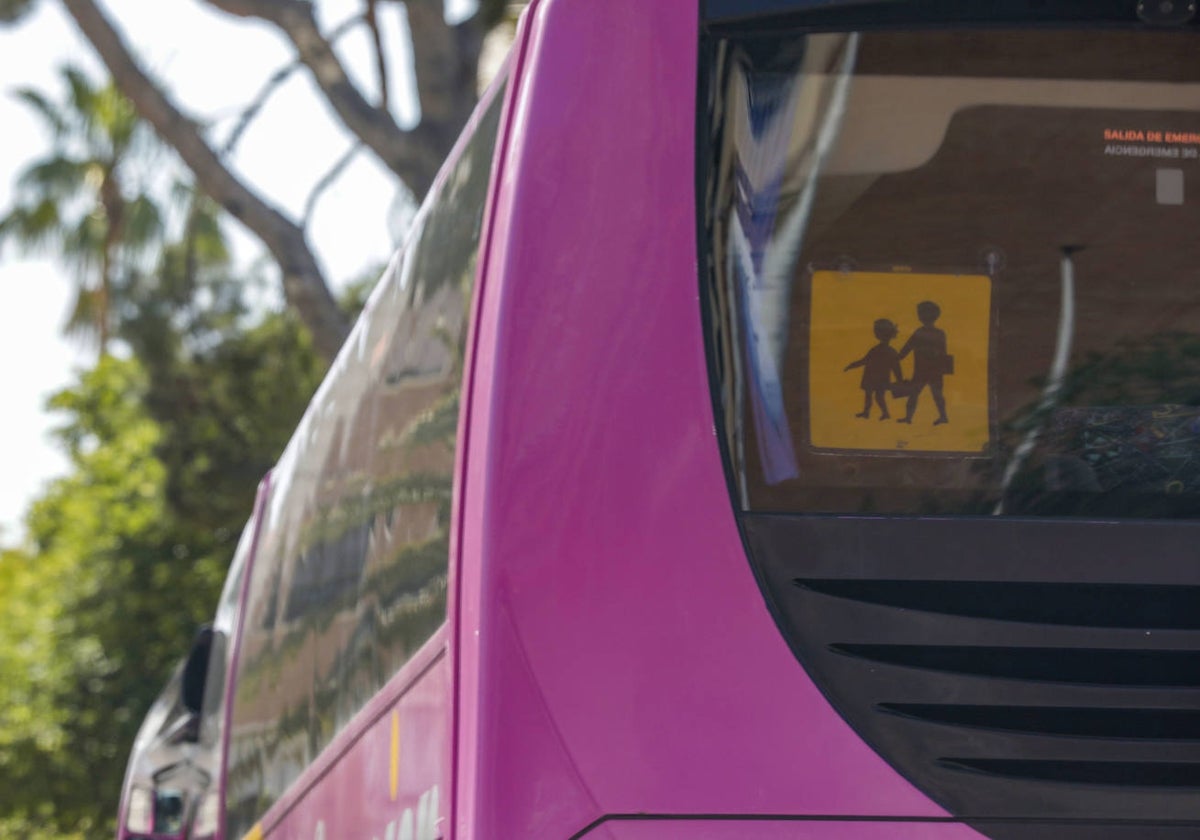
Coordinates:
[214,64]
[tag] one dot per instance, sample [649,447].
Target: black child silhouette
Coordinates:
[930,361]
[879,365]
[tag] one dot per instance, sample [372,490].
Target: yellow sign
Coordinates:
[898,362]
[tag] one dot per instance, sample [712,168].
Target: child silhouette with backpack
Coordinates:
[930,361]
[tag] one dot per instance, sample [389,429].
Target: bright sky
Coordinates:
[214,64]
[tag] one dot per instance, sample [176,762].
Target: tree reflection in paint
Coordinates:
[351,575]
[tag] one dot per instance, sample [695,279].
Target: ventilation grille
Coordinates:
[1045,670]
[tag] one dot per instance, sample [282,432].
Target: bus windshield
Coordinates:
[956,272]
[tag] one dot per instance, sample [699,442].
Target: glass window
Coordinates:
[956,272]
[351,572]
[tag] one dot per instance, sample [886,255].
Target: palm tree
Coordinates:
[12,10]
[77,204]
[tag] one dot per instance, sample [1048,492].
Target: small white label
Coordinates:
[1169,186]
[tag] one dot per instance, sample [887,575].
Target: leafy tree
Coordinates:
[11,10]
[130,549]
[129,552]
[95,535]
[31,731]
[445,60]
[82,202]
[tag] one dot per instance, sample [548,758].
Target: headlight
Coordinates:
[139,813]
[207,817]
[168,811]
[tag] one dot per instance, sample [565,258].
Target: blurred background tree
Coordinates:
[197,386]
[77,202]
[446,73]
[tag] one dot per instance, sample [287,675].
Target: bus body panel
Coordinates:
[463,608]
[608,667]
[229,674]
[388,771]
[627,661]
[781,829]
[389,776]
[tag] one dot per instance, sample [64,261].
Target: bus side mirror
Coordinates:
[195,671]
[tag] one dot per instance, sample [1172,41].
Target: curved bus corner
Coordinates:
[175,770]
[464,615]
[386,747]
[166,774]
[217,702]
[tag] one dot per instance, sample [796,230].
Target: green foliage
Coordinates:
[10,12]
[69,698]
[166,444]
[85,202]
[29,730]
[129,550]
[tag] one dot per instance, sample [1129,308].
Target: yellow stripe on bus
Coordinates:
[394,769]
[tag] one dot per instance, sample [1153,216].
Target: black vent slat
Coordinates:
[1124,773]
[1011,669]
[1142,724]
[1151,606]
[1179,668]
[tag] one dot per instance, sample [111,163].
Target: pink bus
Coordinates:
[168,772]
[782,422]
[171,789]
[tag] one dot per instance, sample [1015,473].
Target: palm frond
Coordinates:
[115,118]
[45,109]
[81,323]
[32,228]
[57,178]
[13,10]
[83,244]
[143,223]
[82,98]
[206,236]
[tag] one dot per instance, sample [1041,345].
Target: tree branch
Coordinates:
[445,61]
[413,155]
[304,284]
[272,84]
[327,181]
[256,104]
[372,19]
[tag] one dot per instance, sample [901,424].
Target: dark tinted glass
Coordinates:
[956,272]
[351,571]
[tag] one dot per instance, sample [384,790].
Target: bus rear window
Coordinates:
[957,272]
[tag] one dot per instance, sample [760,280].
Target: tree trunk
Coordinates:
[114,228]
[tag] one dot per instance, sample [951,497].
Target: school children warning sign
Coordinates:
[898,362]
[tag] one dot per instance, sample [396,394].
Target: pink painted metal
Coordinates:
[780,830]
[385,775]
[262,495]
[625,659]
[608,651]
[388,773]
